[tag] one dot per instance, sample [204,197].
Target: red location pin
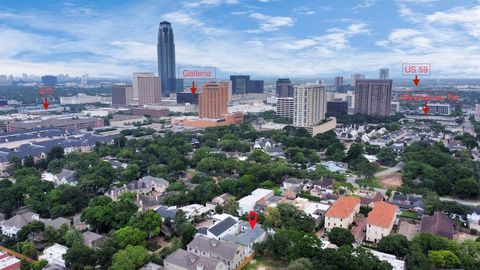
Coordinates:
[252,219]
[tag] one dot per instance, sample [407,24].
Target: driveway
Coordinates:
[390,170]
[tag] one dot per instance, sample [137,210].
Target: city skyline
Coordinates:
[284,39]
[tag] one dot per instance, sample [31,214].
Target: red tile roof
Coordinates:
[382,214]
[343,207]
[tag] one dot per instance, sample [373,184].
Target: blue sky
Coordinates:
[263,38]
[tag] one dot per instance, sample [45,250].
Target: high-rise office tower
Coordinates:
[357,76]
[186,97]
[122,94]
[240,84]
[166,58]
[255,86]
[284,87]
[84,81]
[373,97]
[213,100]
[135,82]
[285,107]
[149,90]
[49,80]
[383,73]
[337,83]
[309,104]
[337,107]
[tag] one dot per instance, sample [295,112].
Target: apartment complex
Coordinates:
[122,95]
[380,221]
[342,213]
[285,107]
[373,97]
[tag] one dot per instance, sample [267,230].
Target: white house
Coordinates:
[380,221]
[12,226]
[473,221]
[229,225]
[391,259]
[247,203]
[65,177]
[54,254]
[247,237]
[342,213]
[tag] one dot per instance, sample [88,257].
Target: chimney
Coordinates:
[192,258]
[200,266]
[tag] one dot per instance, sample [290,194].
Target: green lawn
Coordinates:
[409,214]
[265,263]
[370,182]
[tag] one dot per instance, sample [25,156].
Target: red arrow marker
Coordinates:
[45,103]
[193,88]
[425,108]
[252,219]
[416,81]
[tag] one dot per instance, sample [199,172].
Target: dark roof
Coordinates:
[325,182]
[165,212]
[438,224]
[202,230]
[222,226]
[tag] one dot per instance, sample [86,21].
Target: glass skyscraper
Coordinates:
[166,58]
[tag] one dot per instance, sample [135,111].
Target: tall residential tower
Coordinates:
[166,58]
[373,97]
[309,102]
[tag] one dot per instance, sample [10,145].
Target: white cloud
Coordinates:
[270,23]
[208,3]
[114,46]
[467,18]
[182,18]
[365,4]
[303,11]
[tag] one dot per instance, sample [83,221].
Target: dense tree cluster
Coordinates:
[434,168]
[292,245]
[429,251]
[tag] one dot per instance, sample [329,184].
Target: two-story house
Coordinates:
[342,212]
[224,251]
[380,221]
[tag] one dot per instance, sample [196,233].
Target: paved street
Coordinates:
[465,202]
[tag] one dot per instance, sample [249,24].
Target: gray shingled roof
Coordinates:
[247,237]
[295,181]
[222,226]
[89,237]
[223,249]
[438,224]
[67,174]
[20,220]
[150,179]
[190,261]
[152,266]
[56,223]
